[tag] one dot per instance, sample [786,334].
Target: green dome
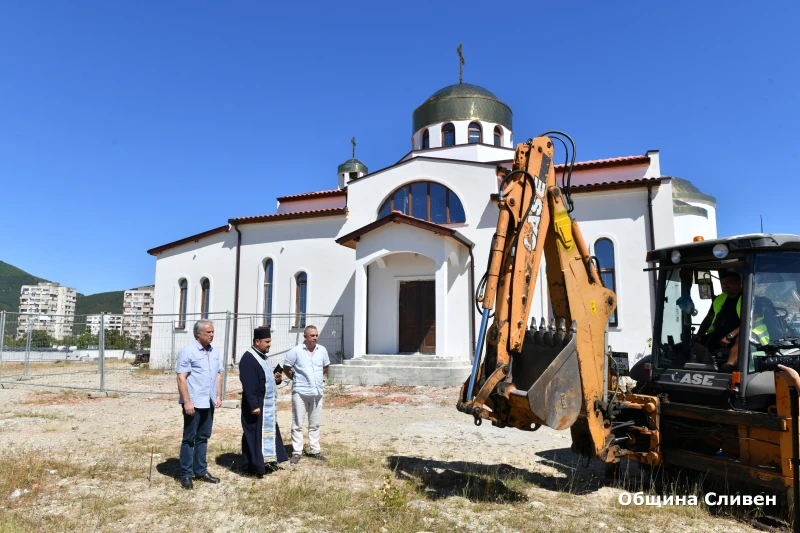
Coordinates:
[462,101]
[685,190]
[352,165]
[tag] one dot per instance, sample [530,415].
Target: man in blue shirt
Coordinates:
[305,364]
[199,372]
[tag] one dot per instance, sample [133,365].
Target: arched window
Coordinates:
[426,139]
[475,133]
[604,251]
[425,200]
[268,267]
[183,300]
[301,299]
[498,136]
[205,301]
[448,135]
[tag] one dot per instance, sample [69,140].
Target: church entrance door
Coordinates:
[418,316]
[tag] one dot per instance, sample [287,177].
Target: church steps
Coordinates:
[353,372]
[405,364]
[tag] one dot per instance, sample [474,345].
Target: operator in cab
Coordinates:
[720,327]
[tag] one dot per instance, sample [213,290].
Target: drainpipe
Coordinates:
[236,289]
[470,301]
[652,244]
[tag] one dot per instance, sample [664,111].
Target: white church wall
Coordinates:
[621,216]
[385,277]
[462,135]
[301,245]
[460,303]
[467,152]
[312,204]
[213,258]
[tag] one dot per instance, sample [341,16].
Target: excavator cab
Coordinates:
[691,368]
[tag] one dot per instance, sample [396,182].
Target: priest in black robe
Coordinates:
[262,446]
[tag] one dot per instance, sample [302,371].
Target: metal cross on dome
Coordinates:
[353,142]
[461,65]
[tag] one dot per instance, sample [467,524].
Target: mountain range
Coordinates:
[12,279]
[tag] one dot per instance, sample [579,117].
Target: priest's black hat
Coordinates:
[261,333]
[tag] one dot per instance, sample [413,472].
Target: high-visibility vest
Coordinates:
[719,301]
[759,333]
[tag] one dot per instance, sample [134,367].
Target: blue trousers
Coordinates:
[196,432]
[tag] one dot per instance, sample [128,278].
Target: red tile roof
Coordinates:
[612,162]
[317,194]
[615,184]
[292,214]
[397,217]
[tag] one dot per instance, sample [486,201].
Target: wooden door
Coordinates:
[417,316]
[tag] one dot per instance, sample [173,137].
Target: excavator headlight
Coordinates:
[675,256]
[720,251]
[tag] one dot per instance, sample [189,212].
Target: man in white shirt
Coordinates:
[305,364]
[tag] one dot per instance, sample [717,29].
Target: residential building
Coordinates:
[137,312]
[110,321]
[47,307]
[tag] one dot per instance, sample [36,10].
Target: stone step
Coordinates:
[398,375]
[407,358]
[400,363]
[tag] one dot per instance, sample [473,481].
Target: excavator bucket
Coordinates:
[548,370]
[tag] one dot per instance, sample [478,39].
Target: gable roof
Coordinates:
[313,213]
[194,238]
[310,195]
[396,217]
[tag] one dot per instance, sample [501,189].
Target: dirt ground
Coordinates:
[401,459]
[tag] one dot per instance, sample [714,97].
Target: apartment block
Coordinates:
[47,307]
[110,322]
[137,312]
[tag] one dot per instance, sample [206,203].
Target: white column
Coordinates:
[360,311]
[441,307]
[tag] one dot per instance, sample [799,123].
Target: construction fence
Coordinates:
[99,354]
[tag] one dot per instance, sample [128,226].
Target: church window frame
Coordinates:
[608,273]
[183,300]
[448,134]
[301,299]
[269,287]
[426,140]
[205,299]
[452,208]
[475,133]
[498,136]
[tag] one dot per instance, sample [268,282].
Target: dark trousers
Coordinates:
[196,432]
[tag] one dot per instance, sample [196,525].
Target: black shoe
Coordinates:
[295,459]
[186,483]
[318,456]
[208,478]
[271,467]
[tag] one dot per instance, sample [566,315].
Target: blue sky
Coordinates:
[134,124]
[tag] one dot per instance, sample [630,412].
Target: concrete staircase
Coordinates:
[401,370]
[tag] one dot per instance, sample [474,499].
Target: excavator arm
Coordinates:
[554,375]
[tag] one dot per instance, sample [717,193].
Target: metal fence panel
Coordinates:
[92,352]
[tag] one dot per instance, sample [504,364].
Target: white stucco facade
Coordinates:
[625,200]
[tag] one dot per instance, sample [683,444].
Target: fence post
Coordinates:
[172,358]
[28,348]
[2,338]
[225,354]
[102,338]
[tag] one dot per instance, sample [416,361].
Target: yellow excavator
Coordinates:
[684,411]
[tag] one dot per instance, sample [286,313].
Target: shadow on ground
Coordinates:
[170,468]
[496,482]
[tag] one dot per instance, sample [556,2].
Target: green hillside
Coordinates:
[12,279]
[110,302]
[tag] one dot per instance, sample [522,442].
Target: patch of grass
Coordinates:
[25,468]
[33,414]
[55,398]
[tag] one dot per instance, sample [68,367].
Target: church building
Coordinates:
[399,251]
